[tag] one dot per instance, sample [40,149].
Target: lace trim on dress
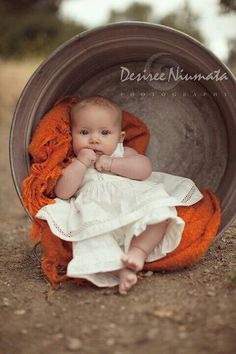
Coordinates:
[57,227]
[70,233]
[189,195]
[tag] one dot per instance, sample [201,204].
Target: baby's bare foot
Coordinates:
[127,279]
[134,259]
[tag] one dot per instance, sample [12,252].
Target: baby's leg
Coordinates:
[142,245]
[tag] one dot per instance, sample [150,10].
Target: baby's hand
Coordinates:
[87,156]
[103,163]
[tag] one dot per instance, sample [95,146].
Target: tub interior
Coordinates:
[188,131]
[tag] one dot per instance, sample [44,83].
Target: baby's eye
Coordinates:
[105,132]
[84,132]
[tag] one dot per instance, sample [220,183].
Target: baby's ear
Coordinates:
[122,136]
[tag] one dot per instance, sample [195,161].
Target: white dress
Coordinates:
[109,210]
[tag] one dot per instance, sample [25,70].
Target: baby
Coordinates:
[96,131]
[117,213]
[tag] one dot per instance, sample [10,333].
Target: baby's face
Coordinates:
[95,127]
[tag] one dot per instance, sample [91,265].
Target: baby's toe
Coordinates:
[131,279]
[122,289]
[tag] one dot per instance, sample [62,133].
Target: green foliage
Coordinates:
[184,19]
[32,28]
[27,6]
[227,5]
[231,61]
[134,12]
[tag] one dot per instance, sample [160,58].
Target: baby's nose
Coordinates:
[94,138]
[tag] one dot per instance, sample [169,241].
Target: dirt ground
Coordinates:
[186,312]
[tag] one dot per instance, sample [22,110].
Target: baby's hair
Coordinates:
[100,101]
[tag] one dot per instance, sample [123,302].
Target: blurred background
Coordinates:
[31,30]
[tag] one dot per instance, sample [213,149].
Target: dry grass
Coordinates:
[13,77]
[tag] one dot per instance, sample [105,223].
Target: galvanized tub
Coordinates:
[192,121]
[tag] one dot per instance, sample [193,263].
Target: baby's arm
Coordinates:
[71,179]
[73,174]
[131,165]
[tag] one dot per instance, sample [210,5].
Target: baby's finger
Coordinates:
[98,166]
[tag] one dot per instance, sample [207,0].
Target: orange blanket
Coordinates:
[51,151]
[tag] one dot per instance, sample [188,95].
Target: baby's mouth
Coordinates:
[98,152]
